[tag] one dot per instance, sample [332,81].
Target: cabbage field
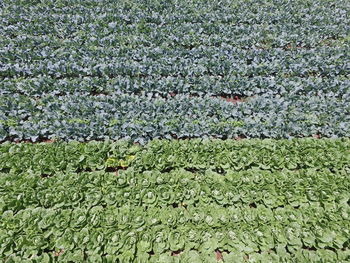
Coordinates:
[141,69]
[174,131]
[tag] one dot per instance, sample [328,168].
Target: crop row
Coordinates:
[221,47]
[175,201]
[230,86]
[287,62]
[157,62]
[133,216]
[242,23]
[166,155]
[85,117]
[131,234]
[210,69]
[313,189]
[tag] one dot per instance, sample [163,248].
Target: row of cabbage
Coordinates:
[216,86]
[209,47]
[216,71]
[286,62]
[215,63]
[140,118]
[142,23]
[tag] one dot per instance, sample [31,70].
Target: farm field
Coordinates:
[174,131]
[138,70]
[176,201]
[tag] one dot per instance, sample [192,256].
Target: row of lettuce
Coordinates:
[167,155]
[253,188]
[176,201]
[133,234]
[141,118]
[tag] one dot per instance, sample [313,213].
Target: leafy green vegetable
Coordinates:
[199,210]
